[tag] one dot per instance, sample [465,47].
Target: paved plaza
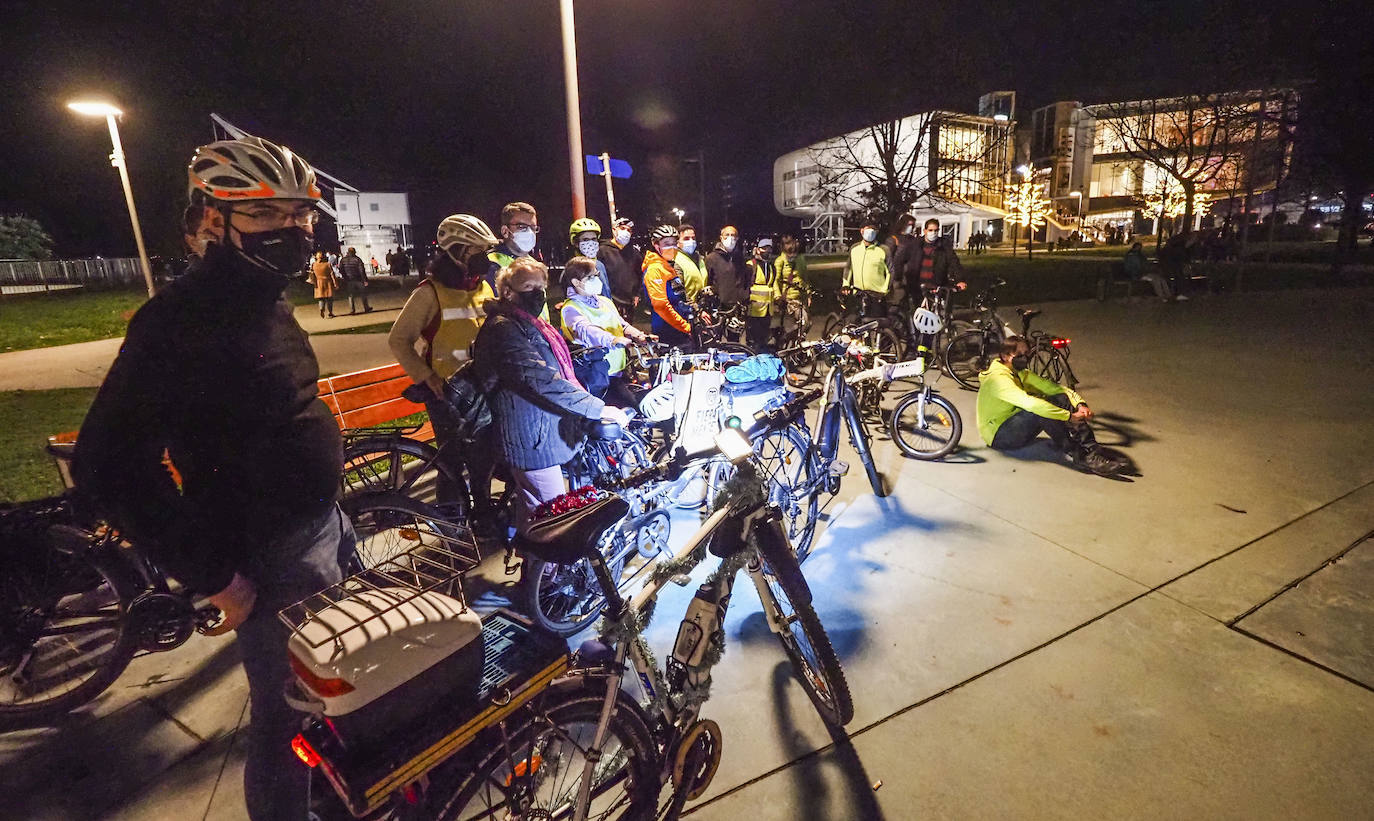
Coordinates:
[1022,640]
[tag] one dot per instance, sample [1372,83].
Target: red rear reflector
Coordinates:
[305,752]
[327,687]
[530,766]
[1060,342]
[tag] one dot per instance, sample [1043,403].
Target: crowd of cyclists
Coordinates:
[216,373]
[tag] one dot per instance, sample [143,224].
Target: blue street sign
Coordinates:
[620,169]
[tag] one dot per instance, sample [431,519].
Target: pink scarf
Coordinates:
[555,340]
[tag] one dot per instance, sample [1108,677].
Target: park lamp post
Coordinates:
[1078,195]
[579,189]
[109,112]
[679,213]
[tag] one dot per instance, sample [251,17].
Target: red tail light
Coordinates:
[327,687]
[304,751]
[1060,342]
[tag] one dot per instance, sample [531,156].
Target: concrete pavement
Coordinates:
[1020,639]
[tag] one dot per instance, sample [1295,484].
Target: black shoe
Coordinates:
[1094,462]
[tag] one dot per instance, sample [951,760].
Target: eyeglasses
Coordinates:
[667,243]
[265,217]
[517,227]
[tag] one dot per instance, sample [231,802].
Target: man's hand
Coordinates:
[435,384]
[235,602]
[961,286]
[615,415]
[1081,415]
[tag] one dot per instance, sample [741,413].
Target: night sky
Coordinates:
[460,103]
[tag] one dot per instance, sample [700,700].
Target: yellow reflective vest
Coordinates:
[762,288]
[453,329]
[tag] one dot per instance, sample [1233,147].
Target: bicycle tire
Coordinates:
[966,357]
[68,552]
[388,524]
[858,435]
[1045,363]
[818,671]
[799,515]
[368,465]
[503,755]
[942,443]
[564,599]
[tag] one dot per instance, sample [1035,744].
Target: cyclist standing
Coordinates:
[793,292]
[689,263]
[519,238]
[868,269]
[725,269]
[624,266]
[216,372]
[585,237]
[441,318]
[763,287]
[928,261]
[670,316]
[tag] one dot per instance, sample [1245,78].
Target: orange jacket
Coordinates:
[657,272]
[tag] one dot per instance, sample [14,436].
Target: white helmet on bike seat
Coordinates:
[659,404]
[926,321]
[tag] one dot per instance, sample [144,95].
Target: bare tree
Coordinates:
[885,169]
[1195,140]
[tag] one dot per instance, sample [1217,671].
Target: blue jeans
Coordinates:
[1022,427]
[301,562]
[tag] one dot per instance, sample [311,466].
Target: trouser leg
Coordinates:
[756,327]
[535,487]
[304,562]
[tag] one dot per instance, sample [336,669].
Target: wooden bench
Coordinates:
[357,400]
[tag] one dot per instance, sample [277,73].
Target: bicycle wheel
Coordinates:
[967,356]
[1045,363]
[64,632]
[385,525]
[783,456]
[858,437]
[564,599]
[926,426]
[408,467]
[803,637]
[532,766]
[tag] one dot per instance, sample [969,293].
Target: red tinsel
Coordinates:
[572,500]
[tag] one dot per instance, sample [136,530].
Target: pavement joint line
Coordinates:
[1300,657]
[1052,640]
[1299,580]
[157,708]
[224,763]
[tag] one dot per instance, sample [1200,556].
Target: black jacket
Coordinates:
[726,273]
[216,371]
[907,263]
[539,415]
[352,268]
[625,267]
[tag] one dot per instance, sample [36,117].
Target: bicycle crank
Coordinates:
[701,747]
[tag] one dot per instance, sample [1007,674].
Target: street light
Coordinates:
[679,213]
[1078,195]
[98,109]
[579,191]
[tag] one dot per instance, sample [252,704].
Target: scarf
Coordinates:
[555,340]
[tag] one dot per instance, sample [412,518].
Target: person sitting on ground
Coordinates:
[591,320]
[1136,266]
[1015,405]
[526,371]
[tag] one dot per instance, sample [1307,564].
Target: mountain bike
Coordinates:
[511,726]
[970,353]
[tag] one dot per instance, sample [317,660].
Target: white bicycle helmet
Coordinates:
[251,168]
[659,404]
[465,230]
[663,232]
[926,321]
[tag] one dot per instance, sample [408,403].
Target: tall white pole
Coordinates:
[610,191]
[579,191]
[117,159]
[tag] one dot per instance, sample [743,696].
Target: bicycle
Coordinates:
[549,735]
[969,354]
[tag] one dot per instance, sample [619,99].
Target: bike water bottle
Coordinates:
[699,624]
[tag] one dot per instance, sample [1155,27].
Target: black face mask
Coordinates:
[532,301]
[1020,362]
[283,251]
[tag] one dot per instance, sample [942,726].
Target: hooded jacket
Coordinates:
[726,272]
[624,267]
[666,301]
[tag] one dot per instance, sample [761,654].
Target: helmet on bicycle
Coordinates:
[663,232]
[659,404]
[465,230]
[583,225]
[248,169]
[926,321]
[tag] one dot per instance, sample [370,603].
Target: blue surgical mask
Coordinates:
[689,246]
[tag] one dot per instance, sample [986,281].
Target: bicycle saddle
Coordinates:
[1029,313]
[604,431]
[568,537]
[62,450]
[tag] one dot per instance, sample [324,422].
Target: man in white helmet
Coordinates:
[432,339]
[216,373]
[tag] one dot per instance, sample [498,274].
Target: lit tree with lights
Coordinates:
[1028,205]
[1170,200]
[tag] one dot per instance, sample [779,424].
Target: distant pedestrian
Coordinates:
[400,264]
[326,283]
[354,276]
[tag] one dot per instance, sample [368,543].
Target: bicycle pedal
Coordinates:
[839,468]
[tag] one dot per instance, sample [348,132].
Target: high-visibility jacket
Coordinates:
[502,260]
[791,279]
[603,316]
[693,274]
[867,269]
[657,272]
[1002,392]
[763,284]
[454,327]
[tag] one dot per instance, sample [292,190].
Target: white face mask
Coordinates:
[932,235]
[689,246]
[523,240]
[591,286]
[870,235]
[588,247]
[622,237]
[910,229]
[728,243]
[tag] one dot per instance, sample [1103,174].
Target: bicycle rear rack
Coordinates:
[436,564]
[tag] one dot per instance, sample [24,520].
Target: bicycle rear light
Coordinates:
[1060,342]
[304,751]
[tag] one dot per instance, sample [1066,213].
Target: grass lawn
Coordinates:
[43,320]
[26,420]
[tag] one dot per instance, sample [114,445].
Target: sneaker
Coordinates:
[1094,462]
[1181,298]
